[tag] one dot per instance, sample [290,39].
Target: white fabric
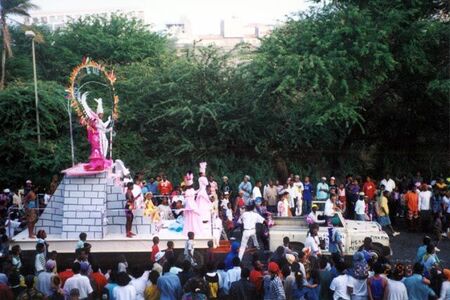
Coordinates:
[424,200]
[232,276]
[329,211]
[140,284]
[445,291]
[340,285]
[256,192]
[359,288]
[10,226]
[396,290]
[127,292]
[122,267]
[313,217]
[389,185]
[39,262]
[360,207]
[313,244]
[249,219]
[447,203]
[246,235]
[79,282]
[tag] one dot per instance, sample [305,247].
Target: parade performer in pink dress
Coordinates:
[192,219]
[203,202]
[97,159]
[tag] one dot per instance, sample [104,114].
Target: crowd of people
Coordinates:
[285,274]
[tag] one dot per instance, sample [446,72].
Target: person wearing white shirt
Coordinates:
[342,285]
[312,217]
[78,281]
[425,208]
[232,275]
[330,208]
[124,290]
[389,184]
[249,219]
[256,192]
[360,208]
[312,240]
[140,284]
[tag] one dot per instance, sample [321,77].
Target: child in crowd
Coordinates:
[189,249]
[155,248]
[16,260]
[41,236]
[52,259]
[122,266]
[169,253]
[39,261]
[80,243]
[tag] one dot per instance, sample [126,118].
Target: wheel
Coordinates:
[381,250]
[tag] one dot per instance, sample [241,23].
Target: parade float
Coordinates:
[91,196]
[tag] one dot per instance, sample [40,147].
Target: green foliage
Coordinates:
[353,86]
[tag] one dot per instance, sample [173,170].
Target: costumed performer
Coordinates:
[97,160]
[150,210]
[129,207]
[102,127]
[203,201]
[192,218]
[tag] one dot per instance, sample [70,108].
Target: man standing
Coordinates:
[270,195]
[169,284]
[293,198]
[388,182]
[412,203]
[225,187]
[165,186]
[129,207]
[425,207]
[300,187]
[249,219]
[246,187]
[78,281]
[243,289]
[369,188]
[256,193]
[152,186]
[307,195]
[322,190]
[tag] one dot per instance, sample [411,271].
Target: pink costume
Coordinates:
[203,202]
[97,160]
[192,220]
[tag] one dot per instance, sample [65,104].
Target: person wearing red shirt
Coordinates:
[256,277]
[155,249]
[239,204]
[64,275]
[412,203]
[165,186]
[369,188]
[99,280]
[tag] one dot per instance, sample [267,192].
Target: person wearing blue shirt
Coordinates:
[169,284]
[416,286]
[152,186]
[422,250]
[322,190]
[308,190]
[246,187]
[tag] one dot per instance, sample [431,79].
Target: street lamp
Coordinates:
[30,34]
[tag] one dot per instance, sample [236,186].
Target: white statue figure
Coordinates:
[102,127]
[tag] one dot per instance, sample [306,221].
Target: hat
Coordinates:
[28,181]
[273,267]
[248,177]
[324,178]
[335,221]
[159,255]
[226,193]
[225,178]
[314,206]
[258,200]
[332,178]
[361,193]
[6,191]
[290,258]
[446,273]
[50,265]
[148,193]
[99,105]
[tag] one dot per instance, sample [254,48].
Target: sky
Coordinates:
[205,15]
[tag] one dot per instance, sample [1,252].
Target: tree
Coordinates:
[8,8]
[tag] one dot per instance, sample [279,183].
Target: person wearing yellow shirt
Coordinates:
[151,291]
[383,212]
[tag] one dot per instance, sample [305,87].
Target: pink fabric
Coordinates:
[192,219]
[96,160]
[203,202]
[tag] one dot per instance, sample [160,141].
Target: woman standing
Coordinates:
[203,201]
[192,218]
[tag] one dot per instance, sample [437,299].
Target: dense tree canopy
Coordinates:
[352,86]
